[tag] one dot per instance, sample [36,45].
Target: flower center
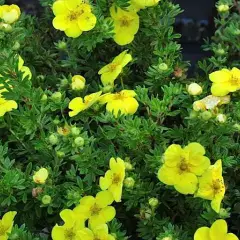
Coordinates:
[69,234]
[112,67]
[235,80]
[2,230]
[73,16]
[116,179]
[218,186]
[183,166]
[95,210]
[125,22]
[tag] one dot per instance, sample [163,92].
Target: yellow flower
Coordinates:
[78,82]
[6,106]
[113,179]
[141,4]
[218,231]
[126,25]
[73,17]
[97,209]
[110,72]
[210,102]
[225,81]
[122,102]
[211,185]
[194,89]
[100,232]
[6,224]
[40,176]
[70,230]
[78,105]
[64,131]
[182,166]
[10,13]
[25,70]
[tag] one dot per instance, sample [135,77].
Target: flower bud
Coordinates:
[40,176]
[60,154]
[36,191]
[153,202]
[61,45]
[223,8]
[206,115]
[79,141]
[16,46]
[64,82]
[5,27]
[44,97]
[56,97]
[56,121]
[107,89]
[75,131]
[46,199]
[163,67]
[78,82]
[222,118]
[53,139]
[128,166]
[220,51]
[194,89]
[199,106]
[129,182]
[237,127]
[236,32]
[193,114]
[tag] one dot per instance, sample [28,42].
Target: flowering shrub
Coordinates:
[103,134]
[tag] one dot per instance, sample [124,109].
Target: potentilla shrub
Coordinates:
[104,136]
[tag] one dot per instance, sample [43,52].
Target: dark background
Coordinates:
[195,24]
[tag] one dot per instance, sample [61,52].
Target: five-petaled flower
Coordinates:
[96,209]
[211,185]
[111,71]
[6,224]
[100,233]
[218,231]
[10,13]
[225,81]
[70,230]
[40,176]
[182,166]
[73,17]
[78,105]
[126,25]
[122,103]
[113,179]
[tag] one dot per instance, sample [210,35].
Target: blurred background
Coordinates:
[195,24]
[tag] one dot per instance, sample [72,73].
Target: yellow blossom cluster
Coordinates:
[96,210]
[73,17]
[190,172]
[9,13]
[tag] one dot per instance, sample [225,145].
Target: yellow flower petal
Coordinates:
[67,216]
[216,204]
[187,183]
[121,38]
[58,233]
[128,93]
[59,7]
[96,220]
[220,76]
[172,155]
[108,78]
[73,30]
[231,236]
[87,200]
[106,181]
[116,190]
[131,105]
[104,198]
[7,220]
[203,164]
[218,230]
[87,21]
[73,4]
[195,148]
[86,234]
[108,213]
[123,58]
[40,176]
[168,176]
[202,233]
[220,89]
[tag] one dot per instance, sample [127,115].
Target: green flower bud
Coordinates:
[75,131]
[46,199]
[220,51]
[237,127]
[53,139]
[193,114]
[153,202]
[5,27]
[56,97]
[222,118]
[223,213]
[44,97]
[223,8]
[163,67]
[61,45]
[64,82]
[60,154]
[79,141]
[236,32]
[16,46]
[128,166]
[108,88]
[129,182]
[56,121]
[167,238]
[206,115]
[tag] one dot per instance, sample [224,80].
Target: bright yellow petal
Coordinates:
[58,233]
[128,93]
[87,21]
[109,77]
[104,198]
[172,155]
[68,217]
[101,231]
[86,234]
[73,30]
[116,107]
[105,98]
[96,220]
[116,191]
[123,38]
[106,181]
[60,22]
[220,76]
[218,230]
[7,219]
[131,105]
[76,105]
[202,233]
[195,148]
[220,89]
[87,201]
[26,72]
[123,58]
[216,204]
[231,236]
[168,176]
[203,162]
[73,4]
[108,213]
[187,183]
[59,7]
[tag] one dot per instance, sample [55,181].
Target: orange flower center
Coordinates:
[183,166]
[95,210]
[235,80]
[218,186]
[73,16]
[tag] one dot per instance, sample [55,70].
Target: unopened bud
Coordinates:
[222,118]
[129,182]
[56,97]
[64,82]
[75,131]
[46,199]
[60,154]
[79,141]
[206,115]
[61,45]
[194,89]
[53,139]
[78,82]
[44,98]
[153,202]
[128,166]
[223,8]
[163,67]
